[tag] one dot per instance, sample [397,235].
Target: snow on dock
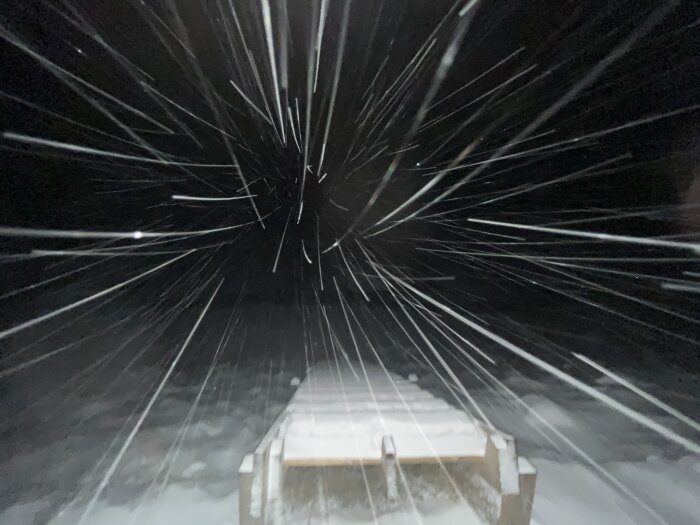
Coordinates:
[365,436]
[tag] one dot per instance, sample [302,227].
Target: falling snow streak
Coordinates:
[470,189]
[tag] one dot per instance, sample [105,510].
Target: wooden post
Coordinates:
[273,512]
[249,493]
[257,502]
[389,462]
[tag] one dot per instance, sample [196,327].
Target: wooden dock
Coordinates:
[352,436]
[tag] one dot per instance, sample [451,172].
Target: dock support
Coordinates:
[389,462]
[250,488]
[273,516]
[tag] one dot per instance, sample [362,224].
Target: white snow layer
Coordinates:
[182,468]
[345,417]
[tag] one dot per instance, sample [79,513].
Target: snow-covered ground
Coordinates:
[181,467]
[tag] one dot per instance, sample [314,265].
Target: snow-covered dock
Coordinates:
[361,436]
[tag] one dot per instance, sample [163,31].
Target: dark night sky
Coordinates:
[561,40]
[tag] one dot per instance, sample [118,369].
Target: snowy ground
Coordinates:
[182,465]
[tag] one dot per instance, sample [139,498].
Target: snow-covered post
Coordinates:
[527,480]
[245,475]
[389,462]
[257,490]
[249,492]
[273,514]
